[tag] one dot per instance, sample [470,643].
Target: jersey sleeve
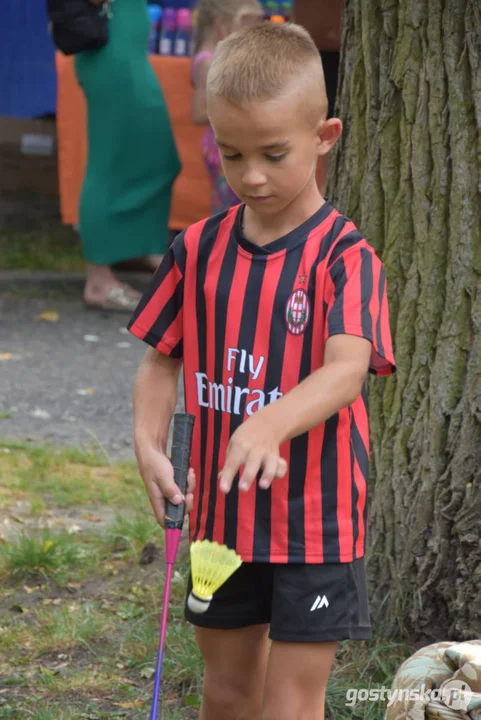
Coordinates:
[356,304]
[158,319]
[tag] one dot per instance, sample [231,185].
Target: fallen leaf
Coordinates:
[47,601]
[85,391]
[18,519]
[147,672]
[28,590]
[46,545]
[57,601]
[129,705]
[120,666]
[51,316]
[91,518]
[6,356]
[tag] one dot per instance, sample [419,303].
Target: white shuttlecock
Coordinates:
[211,565]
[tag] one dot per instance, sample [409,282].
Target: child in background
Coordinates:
[216,19]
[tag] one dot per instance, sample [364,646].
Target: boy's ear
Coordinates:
[328,135]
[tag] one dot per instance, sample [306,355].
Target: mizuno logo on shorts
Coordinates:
[320,603]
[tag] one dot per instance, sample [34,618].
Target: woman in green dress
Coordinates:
[132,159]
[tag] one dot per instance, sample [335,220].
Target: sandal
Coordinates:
[118,299]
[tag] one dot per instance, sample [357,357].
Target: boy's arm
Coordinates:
[334,386]
[154,401]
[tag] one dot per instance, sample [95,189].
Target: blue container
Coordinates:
[155,14]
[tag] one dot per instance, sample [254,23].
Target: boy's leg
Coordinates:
[313,608]
[233,639]
[296,680]
[235,670]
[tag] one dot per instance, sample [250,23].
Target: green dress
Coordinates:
[132,158]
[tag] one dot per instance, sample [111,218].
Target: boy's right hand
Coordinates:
[158,476]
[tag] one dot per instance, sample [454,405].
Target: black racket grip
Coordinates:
[180,458]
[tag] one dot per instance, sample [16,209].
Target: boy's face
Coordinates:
[269,149]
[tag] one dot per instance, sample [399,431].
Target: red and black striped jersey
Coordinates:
[251,322]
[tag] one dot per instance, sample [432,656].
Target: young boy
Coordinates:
[277,310]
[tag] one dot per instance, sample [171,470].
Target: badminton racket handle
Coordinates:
[180,458]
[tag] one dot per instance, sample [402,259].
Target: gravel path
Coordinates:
[70,381]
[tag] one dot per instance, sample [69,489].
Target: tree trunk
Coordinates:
[408,171]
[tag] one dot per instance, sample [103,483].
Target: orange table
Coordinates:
[190,200]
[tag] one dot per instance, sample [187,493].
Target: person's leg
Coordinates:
[233,639]
[235,664]
[102,288]
[296,680]
[314,606]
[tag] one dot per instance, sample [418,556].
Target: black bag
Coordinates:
[78,25]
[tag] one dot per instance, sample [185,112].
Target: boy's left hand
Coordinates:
[255,446]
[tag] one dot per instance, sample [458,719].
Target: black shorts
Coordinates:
[302,603]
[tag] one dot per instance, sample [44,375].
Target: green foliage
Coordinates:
[44,553]
[133,533]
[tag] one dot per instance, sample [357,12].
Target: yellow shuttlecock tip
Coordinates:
[211,565]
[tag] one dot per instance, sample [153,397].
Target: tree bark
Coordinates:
[407,170]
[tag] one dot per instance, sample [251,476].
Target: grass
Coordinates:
[44,553]
[67,478]
[55,249]
[133,533]
[79,617]
[363,666]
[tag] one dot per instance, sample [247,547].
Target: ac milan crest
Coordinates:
[298,310]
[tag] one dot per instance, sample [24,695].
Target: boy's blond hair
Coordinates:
[258,63]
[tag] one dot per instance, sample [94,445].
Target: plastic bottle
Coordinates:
[155,14]
[184,33]
[286,10]
[167,33]
[271,8]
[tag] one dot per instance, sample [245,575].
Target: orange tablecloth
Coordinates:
[191,191]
